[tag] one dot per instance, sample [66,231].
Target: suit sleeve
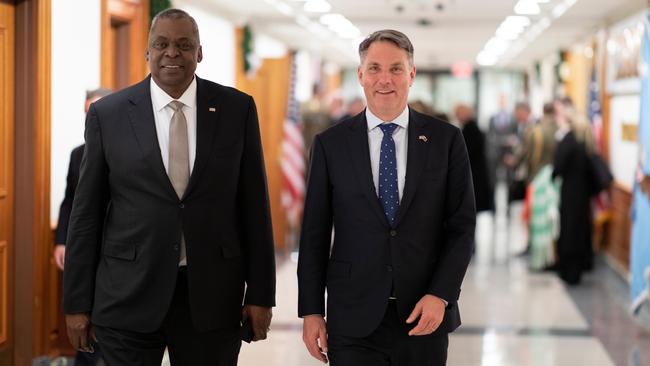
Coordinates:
[66,204]
[83,245]
[255,216]
[316,236]
[460,221]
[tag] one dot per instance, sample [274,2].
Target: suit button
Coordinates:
[175,247]
[182,205]
[393,233]
[389,268]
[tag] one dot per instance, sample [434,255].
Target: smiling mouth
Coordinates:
[386,92]
[172,67]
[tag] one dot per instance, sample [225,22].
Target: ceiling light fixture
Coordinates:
[527,7]
[317,6]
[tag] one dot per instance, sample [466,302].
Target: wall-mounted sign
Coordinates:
[629,131]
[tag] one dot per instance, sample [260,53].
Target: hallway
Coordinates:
[511,316]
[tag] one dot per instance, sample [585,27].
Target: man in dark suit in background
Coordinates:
[396,186]
[170,231]
[71,185]
[81,358]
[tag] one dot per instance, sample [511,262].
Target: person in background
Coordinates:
[543,199]
[81,358]
[501,126]
[571,164]
[336,109]
[421,107]
[396,185]
[170,243]
[475,142]
[441,116]
[353,107]
[517,173]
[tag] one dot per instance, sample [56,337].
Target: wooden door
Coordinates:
[7,19]
[125,25]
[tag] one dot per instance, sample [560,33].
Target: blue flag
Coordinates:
[640,246]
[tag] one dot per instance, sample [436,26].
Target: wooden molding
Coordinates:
[42,163]
[7,120]
[4,292]
[133,14]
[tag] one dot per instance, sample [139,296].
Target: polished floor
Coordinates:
[511,316]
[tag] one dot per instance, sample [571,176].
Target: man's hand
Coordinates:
[314,334]
[260,319]
[431,310]
[59,255]
[80,331]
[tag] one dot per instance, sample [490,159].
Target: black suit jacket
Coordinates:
[125,229]
[426,251]
[70,189]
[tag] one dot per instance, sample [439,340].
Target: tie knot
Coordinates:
[176,105]
[388,128]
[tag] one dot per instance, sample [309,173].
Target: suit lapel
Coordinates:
[144,126]
[207,115]
[360,154]
[416,159]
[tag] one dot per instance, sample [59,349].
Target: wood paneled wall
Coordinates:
[32,178]
[617,244]
[270,88]
[7,55]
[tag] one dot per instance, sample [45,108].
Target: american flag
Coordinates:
[292,163]
[602,202]
[594,109]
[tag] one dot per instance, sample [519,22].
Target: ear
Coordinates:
[359,73]
[146,55]
[200,54]
[412,75]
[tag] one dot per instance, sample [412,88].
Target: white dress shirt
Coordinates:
[400,136]
[162,114]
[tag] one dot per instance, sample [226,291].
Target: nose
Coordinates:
[172,50]
[384,77]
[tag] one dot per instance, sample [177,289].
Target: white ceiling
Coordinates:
[456,31]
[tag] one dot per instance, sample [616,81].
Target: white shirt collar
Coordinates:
[160,99]
[402,120]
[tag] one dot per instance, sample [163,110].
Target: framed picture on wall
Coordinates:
[624,56]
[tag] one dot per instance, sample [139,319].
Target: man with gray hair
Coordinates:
[170,242]
[396,185]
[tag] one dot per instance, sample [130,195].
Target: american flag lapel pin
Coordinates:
[212,109]
[423,138]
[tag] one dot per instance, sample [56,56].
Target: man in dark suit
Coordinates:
[396,186]
[170,231]
[81,358]
[71,185]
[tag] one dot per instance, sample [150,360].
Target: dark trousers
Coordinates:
[186,345]
[88,359]
[388,345]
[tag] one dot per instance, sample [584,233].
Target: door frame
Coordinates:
[32,179]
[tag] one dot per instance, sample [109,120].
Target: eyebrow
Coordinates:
[391,65]
[163,38]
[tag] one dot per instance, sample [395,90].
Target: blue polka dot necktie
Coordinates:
[388,191]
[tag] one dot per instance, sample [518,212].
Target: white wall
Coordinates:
[218,42]
[75,69]
[623,154]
